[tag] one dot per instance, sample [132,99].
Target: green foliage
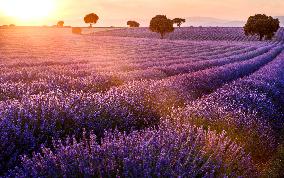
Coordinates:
[91,18]
[262,25]
[178,21]
[161,24]
[133,23]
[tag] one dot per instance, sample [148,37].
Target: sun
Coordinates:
[27,9]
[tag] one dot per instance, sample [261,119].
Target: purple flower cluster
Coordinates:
[173,150]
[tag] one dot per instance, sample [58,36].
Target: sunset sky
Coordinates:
[115,12]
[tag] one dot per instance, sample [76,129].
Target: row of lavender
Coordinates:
[35,120]
[99,76]
[173,150]
[41,109]
[169,151]
[189,33]
[249,107]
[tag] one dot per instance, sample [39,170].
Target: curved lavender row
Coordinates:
[97,83]
[280,34]
[173,69]
[88,82]
[33,121]
[247,54]
[175,55]
[201,65]
[171,53]
[264,58]
[250,104]
[207,55]
[244,54]
[172,151]
[103,83]
[222,51]
[185,59]
[92,83]
[196,84]
[184,53]
[267,84]
[186,33]
[239,50]
[190,33]
[28,123]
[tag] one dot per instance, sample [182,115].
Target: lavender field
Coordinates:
[204,102]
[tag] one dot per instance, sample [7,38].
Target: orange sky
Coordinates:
[115,12]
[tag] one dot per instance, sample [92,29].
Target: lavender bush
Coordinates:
[171,151]
[251,104]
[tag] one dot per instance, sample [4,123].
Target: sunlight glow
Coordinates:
[27,9]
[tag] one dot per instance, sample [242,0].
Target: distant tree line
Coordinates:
[260,24]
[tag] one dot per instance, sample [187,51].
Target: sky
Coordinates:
[116,12]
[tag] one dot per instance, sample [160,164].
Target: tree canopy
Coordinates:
[262,25]
[132,23]
[161,24]
[178,21]
[91,19]
[60,24]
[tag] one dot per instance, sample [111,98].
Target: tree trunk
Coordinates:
[162,35]
[91,25]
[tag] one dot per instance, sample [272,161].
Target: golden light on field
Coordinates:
[27,9]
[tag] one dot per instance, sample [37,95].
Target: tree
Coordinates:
[161,24]
[91,19]
[262,25]
[133,24]
[178,21]
[60,24]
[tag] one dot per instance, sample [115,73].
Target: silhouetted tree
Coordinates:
[262,25]
[178,21]
[91,19]
[161,24]
[133,24]
[60,24]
